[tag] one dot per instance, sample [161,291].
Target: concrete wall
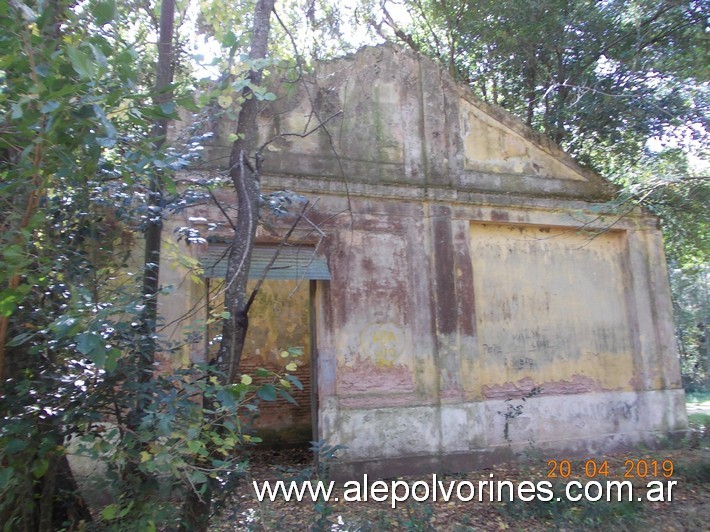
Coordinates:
[471,262]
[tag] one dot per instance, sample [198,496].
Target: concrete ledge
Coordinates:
[452,463]
[384,442]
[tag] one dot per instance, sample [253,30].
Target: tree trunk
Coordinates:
[151,259]
[244,165]
[145,355]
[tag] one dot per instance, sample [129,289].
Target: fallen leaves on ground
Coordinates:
[689,508]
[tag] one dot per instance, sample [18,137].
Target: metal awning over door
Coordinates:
[297,262]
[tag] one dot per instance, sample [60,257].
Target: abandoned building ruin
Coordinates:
[455,261]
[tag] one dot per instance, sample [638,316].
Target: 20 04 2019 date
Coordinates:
[633,468]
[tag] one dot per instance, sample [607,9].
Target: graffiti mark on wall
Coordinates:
[494,350]
[522,363]
[383,342]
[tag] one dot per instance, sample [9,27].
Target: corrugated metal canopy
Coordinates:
[292,263]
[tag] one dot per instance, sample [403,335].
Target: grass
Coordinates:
[700,419]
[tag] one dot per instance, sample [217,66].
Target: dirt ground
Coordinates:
[688,464]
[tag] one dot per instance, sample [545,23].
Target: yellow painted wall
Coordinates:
[550,309]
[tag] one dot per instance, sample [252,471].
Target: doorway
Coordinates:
[281,332]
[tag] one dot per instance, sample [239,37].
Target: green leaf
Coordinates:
[225,398]
[92,346]
[112,359]
[240,84]
[195,446]
[87,342]
[170,185]
[13,253]
[8,303]
[16,111]
[6,475]
[238,390]
[99,56]
[188,102]
[48,107]
[168,109]
[110,512]
[198,477]
[81,63]
[15,446]
[267,392]
[230,39]
[126,510]
[104,11]
[287,396]
[295,381]
[39,468]
[224,101]
[296,351]
[64,326]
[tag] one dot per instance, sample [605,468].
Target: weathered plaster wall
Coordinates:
[480,311]
[550,310]
[394,117]
[470,263]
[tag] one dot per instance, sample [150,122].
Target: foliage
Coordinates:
[697,397]
[690,288]
[580,514]
[77,154]
[586,73]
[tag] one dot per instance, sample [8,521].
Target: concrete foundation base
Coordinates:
[473,435]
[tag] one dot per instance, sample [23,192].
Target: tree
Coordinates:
[82,153]
[556,62]
[77,154]
[244,171]
[63,75]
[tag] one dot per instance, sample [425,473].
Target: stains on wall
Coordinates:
[384,342]
[380,365]
[551,308]
[372,296]
[490,146]
[461,274]
[514,390]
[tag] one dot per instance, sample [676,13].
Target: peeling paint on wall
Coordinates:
[551,307]
[469,264]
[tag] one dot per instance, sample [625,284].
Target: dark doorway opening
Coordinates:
[281,331]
